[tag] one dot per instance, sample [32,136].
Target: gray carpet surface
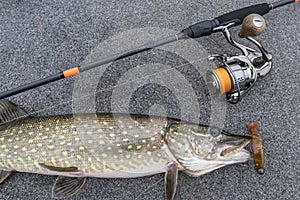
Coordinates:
[39,38]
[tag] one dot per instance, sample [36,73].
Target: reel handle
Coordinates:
[253,25]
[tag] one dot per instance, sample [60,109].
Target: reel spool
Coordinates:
[237,74]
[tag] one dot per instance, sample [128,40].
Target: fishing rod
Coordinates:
[235,76]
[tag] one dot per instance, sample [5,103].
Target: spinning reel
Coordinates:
[237,74]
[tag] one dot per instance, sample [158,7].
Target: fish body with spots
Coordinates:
[111,146]
[96,145]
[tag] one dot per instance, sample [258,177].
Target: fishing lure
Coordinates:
[257,147]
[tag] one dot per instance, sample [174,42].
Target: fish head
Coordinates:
[201,149]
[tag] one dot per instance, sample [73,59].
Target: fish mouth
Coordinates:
[232,147]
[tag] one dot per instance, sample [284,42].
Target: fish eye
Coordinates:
[215,132]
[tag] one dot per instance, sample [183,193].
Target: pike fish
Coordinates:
[74,147]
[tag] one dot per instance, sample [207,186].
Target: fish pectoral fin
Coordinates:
[10,111]
[67,186]
[171,181]
[4,174]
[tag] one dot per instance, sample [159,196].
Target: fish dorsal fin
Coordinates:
[10,111]
[67,186]
[4,174]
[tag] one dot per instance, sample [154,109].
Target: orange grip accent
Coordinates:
[224,79]
[71,72]
[297,1]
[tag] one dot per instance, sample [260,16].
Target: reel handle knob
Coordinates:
[253,25]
